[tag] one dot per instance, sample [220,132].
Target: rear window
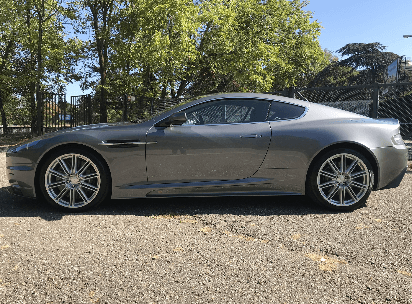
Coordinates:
[281,110]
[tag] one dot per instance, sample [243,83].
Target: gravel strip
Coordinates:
[207,250]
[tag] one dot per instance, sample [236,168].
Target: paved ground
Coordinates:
[212,250]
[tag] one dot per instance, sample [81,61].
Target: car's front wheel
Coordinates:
[74,180]
[341,179]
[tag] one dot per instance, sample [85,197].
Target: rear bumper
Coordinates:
[396,182]
[392,163]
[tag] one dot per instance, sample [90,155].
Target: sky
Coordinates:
[351,21]
[364,21]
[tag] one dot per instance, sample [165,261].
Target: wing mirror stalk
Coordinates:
[177,119]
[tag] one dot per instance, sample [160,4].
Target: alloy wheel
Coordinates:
[343,179]
[72,180]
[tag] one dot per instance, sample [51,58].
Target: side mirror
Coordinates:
[176,119]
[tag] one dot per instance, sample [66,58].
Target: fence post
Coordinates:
[3,115]
[375,101]
[125,107]
[89,109]
[291,92]
[40,114]
[71,111]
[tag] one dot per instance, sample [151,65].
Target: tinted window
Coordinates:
[228,111]
[281,110]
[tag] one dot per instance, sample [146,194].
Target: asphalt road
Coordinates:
[209,250]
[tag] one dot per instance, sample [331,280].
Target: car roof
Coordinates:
[251,95]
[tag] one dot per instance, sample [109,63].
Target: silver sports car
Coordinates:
[221,145]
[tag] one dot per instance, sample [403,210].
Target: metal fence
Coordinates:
[81,110]
[57,113]
[376,101]
[137,108]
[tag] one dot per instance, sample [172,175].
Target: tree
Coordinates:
[369,58]
[39,56]
[98,15]
[363,63]
[175,48]
[8,44]
[182,47]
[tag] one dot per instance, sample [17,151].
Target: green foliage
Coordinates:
[17,111]
[159,48]
[215,45]
[35,54]
[178,48]
[363,63]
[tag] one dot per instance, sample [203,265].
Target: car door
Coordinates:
[223,139]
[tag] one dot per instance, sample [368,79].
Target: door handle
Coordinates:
[250,136]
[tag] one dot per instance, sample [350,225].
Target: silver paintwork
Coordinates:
[343,179]
[263,158]
[72,180]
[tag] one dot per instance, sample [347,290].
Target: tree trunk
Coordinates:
[101,44]
[3,115]
[32,102]
[102,50]
[39,95]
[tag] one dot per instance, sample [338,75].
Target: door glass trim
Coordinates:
[251,98]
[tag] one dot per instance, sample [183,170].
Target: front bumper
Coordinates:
[392,162]
[21,174]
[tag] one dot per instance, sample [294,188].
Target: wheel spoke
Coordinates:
[342,195]
[333,191]
[328,184]
[56,184]
[328,174]
[74,164]
[72,197]
[64,166]
[352,167]
[359,185]
[83,168]
[83,195]
[342,163]
[333,166]
[88,186]
[57,174]
[352,194]
[61,194]
[358,174]
[89,176]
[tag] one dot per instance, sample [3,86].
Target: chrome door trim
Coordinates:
[128,143]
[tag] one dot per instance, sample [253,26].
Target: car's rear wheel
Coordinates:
[74,180]
[341,179]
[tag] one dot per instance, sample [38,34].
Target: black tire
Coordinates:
[341,179]
[74,180]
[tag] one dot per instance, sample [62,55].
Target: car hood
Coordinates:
[94,127]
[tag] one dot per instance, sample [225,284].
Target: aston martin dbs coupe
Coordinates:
[221,145]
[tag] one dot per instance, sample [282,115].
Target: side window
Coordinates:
[281,110]
[226,111]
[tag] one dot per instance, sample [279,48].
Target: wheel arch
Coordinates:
[347,145]
[66,147]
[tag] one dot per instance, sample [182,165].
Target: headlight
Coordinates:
[397,140]
[16,149]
